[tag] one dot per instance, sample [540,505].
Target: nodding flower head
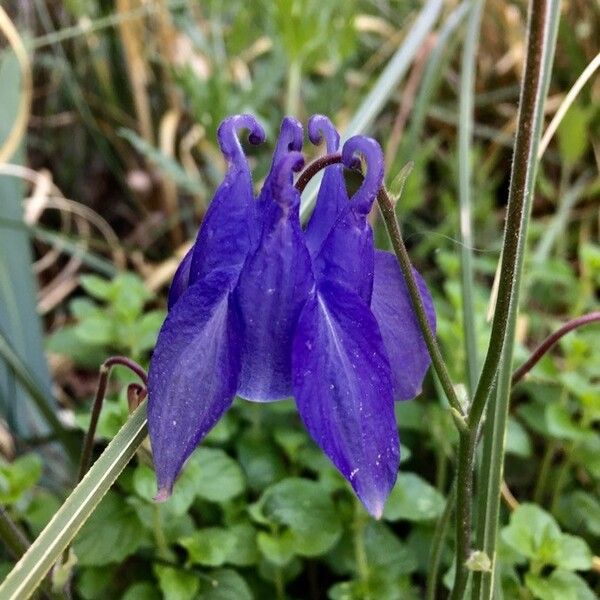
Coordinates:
[262,309]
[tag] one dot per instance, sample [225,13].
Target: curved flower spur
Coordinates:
[276,311]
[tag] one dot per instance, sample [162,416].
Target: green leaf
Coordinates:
[305,511]
[225,584]
[386,554]
[244,551]
[217,476]
[142,590]
[573,137]
[18,477]
[209,546]
[111,534]
[40,510]
[128,296]
[518,441]
[93,581]
[561,585]
[530,530]
[260,460]
[573,554]
[95,286]
[97,329]
[66,342]
[277,548]
[184,491]
[177,584]
[587,454]
[413,499]
[536,535]
[580,510]
[561,424]
[381,588]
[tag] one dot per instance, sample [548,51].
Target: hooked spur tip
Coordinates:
[320,126]
[163,494]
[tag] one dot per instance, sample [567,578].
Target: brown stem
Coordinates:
[547,344]
[88,444]
[314,167]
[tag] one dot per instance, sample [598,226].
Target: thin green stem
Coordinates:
[465,138]
[437,546]
[393,228]
[533,92]
[546,464]
[159,534]
[360,554]
[561,477]
[294,83]
[14,539]
[542,29]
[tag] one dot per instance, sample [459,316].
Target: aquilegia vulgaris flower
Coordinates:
[265,310]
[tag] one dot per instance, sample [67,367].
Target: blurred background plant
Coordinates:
[104,194]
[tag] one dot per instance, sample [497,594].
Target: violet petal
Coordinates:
[224,237]
[343,389]
[404,342]
[332,198]
[347,254]
[181,279]
[272,289]
[193,375]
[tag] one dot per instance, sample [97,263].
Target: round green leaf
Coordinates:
[304,511]
[413,499]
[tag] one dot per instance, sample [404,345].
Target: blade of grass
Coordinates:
[27,574]
[18,317]
[465,141]
[544,14]
[66,244]
[431,79]
[383,88]
[43,402]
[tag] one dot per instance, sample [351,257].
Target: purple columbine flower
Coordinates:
[261,309]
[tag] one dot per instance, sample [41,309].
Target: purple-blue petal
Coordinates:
[332,198]
[347,253]
[404,342]
[343,389]
[193,375]
[181,279]
[272,289]
[224,237]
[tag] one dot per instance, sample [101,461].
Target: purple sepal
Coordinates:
[347,254]
[181,279]
[224,237]
[332,198]
[272,289]
[404,343]
[343,389]
[193,374]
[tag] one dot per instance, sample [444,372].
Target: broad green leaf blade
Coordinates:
[27,574]
[18,313]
